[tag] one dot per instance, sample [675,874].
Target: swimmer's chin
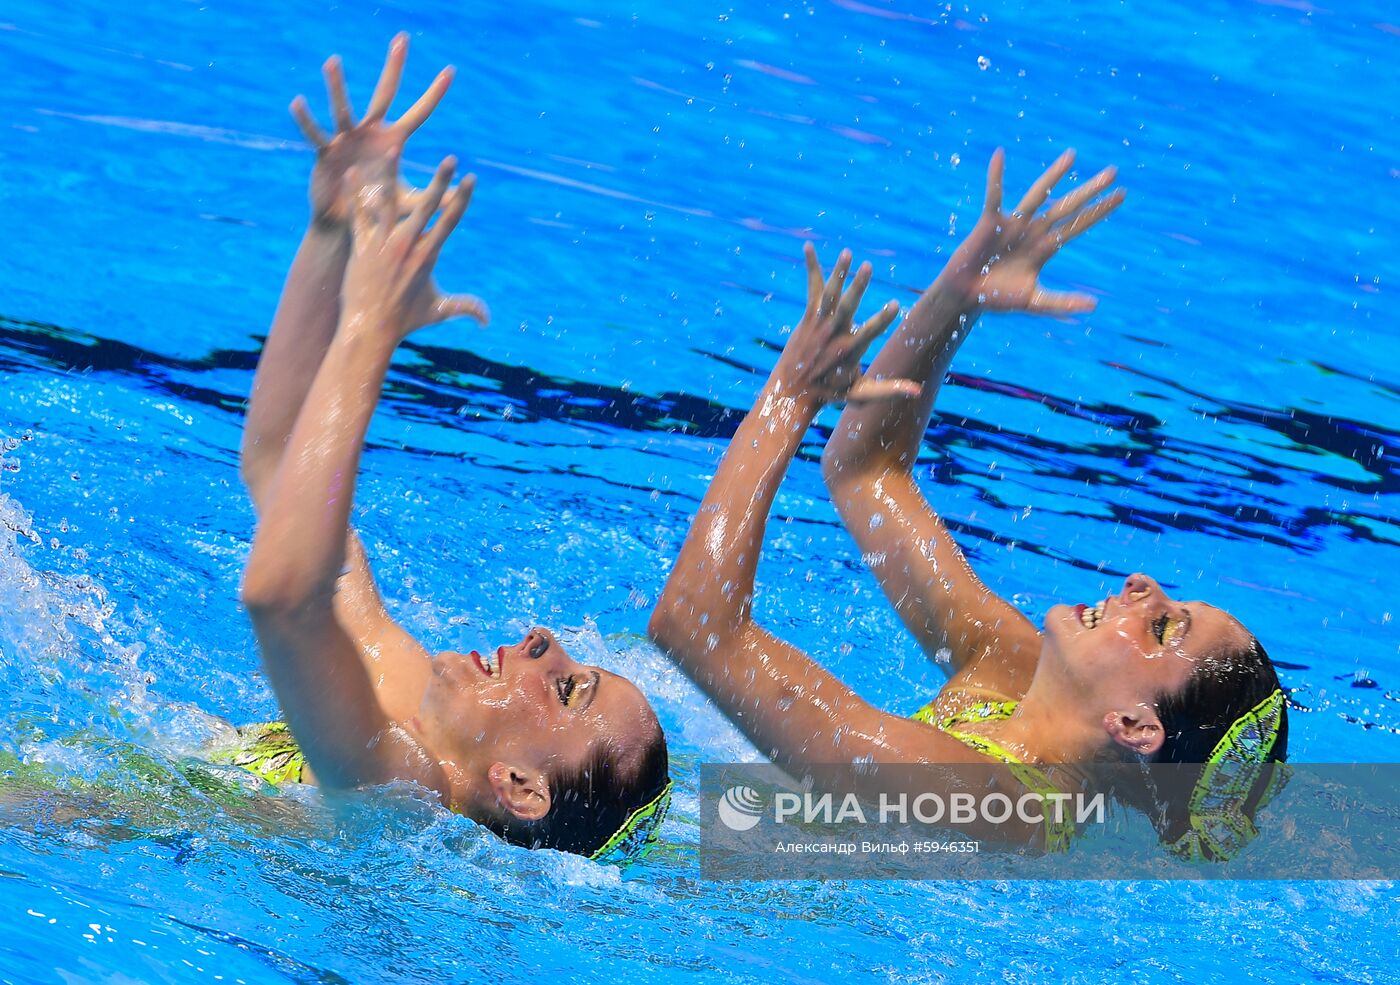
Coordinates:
[1054,617]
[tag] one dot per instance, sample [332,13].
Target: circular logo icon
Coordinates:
[740,808]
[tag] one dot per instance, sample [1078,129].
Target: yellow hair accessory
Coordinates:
[1219,824]
[638,834]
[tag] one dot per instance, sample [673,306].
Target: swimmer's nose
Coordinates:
[537,642]
[1140,586]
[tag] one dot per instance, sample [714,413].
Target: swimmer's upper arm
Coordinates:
[803,718]
[329,700]
[396,662]
[793,709]
[924,574]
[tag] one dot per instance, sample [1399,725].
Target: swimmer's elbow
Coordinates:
[665,627]
[834,465]
[270,591]
[256,476]
[675,629]
[691,638]
[848,465]
[261,595]
[844,463]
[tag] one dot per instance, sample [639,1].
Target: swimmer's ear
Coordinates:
[521,791]
[1139,730]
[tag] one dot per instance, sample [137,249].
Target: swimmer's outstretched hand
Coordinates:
[822,356]
[997,268]
[370,148]
[389,289]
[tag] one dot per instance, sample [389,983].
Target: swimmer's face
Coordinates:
[531,703]
[1137,644]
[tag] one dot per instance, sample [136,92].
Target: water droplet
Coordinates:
[1362,679]
[955,159]
[983,62]
[877,520]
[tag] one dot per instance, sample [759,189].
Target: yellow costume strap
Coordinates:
[1058,832]
[638,834]
[1220,826]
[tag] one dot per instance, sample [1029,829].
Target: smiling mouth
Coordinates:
[489,666]
[1091,615]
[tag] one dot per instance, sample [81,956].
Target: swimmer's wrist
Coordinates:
[328,226]
[956,289]
[370,327]
[328,234]
[786,395]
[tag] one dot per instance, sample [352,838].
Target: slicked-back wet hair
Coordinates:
[589,804]
[1222,689]
[1197,717]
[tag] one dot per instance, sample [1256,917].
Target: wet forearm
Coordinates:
[710,592]
[299,549]
[301,332]
[880,435]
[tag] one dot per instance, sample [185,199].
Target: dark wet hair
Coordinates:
[1220,690]
[590,803]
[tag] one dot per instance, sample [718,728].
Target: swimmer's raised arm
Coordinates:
[868,460]
[300,546]
[793,710]
[354,154]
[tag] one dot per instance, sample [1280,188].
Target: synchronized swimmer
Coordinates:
[550,753]
[540,749]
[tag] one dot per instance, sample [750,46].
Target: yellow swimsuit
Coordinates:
[268,750]
[1058,833]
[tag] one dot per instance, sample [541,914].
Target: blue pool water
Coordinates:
[1229,420]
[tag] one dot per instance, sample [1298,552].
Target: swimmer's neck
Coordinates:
[1050,725]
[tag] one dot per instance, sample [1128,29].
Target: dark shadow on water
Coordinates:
[1149,479]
